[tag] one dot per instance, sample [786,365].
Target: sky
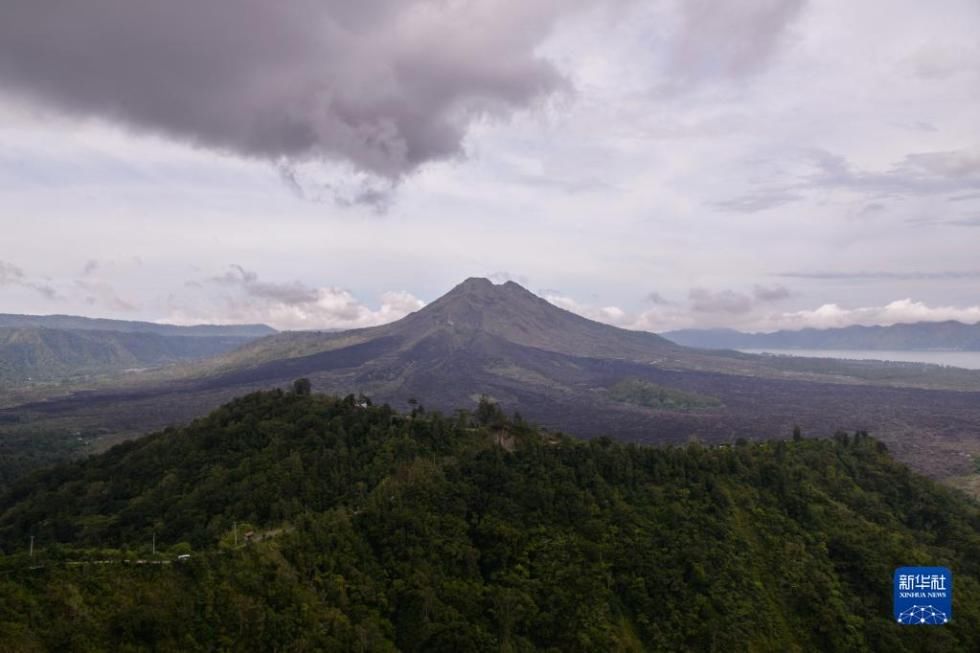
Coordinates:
[665,164]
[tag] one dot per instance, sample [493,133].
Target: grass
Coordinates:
[659,397]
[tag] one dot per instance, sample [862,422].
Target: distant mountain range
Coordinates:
[920,336]
[556,368]
[46,348]
[43,355]
[76,323]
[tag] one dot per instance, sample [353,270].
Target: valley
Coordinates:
[555,368]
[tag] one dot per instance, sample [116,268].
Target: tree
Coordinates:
[302,387]
[488,413]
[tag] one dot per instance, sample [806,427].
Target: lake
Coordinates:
[966,359]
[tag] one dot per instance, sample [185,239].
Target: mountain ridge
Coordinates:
[80,323]
[42,354]
[949,335]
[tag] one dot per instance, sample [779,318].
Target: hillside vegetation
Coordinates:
[34,354]
[651,395]
[375,531]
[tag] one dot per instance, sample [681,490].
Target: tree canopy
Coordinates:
[374,530]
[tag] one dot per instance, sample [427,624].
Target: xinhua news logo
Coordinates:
[923,596]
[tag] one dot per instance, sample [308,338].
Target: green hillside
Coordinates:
[373,531]
[42,354]
[78,323]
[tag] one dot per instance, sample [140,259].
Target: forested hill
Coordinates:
[373,530]
[34,354]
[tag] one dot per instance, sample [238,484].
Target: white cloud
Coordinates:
[664,317]
[667,318]
[896,312]
[607,314]
[243,298]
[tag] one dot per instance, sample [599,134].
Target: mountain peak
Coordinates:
[472,283]
[475,285]
[486,292]
[510,312]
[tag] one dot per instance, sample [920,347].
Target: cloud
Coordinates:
[290,305]
[90,267]
[942,275]
[382,86]
[657,298]
[729,39]
[11,275]
[102,293]
[721,301]
[896,312]
[292,293]
[607,314]
[936,62]
[873,207]
[44,290]
[735,310]
[973,221]
[354,188]
[760,200]
[956,163]
[705,307]
[503,277]
[918,173]
[771,293]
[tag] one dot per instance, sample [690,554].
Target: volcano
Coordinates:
[562,371]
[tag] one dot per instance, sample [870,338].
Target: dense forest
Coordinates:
[322,523]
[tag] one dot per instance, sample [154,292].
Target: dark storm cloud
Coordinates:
[382,85]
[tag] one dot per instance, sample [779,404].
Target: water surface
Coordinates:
[966,359]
